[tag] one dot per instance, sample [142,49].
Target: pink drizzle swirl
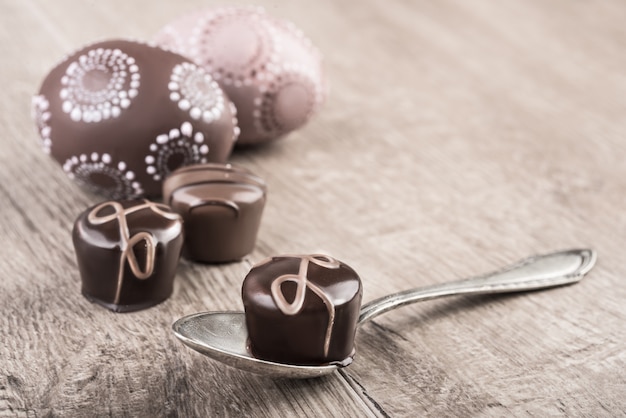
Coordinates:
[127,241]
[302,283]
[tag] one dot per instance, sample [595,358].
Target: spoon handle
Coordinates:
[533,273]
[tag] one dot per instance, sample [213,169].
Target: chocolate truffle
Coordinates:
[302,309]
[120,115]
[221,205]
[127,253]
[268,68]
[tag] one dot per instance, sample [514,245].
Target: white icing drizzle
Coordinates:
[303,283]
[127,241]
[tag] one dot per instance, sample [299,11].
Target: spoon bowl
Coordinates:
[223,336]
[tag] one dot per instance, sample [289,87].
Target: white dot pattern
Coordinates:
[235,122]
[187,145]
[41,114]
[274,57]
[99,85]
[265,118]
[83,167]
[234,69]
[196,92]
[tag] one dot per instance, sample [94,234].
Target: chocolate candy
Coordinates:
[222,206]
[127,253]
[120,115]
[268,68]
[302,309]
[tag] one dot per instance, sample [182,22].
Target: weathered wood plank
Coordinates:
[457,138]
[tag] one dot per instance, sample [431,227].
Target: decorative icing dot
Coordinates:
[195,91]
[97,173]
[187,129]
[195,113]
[97,87]
[179,147]
[41,114]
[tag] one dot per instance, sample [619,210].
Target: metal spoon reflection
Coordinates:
[223,335]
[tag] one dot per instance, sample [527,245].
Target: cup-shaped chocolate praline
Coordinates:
[127,253]
[302,309]
[221,205]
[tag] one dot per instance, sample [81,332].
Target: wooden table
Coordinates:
[458,137]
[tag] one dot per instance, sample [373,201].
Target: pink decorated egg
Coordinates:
[119,116]
[269,69]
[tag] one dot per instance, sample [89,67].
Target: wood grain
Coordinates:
[457,137]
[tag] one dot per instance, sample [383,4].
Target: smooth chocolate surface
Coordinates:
[268,68]
[119,116]
[127,253]
[302,309]
[221,205]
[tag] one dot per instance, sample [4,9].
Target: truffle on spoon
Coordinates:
[223,336]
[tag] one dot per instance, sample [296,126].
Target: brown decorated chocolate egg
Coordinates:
[268,68]
[119,116]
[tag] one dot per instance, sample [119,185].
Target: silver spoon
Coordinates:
[223,335]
